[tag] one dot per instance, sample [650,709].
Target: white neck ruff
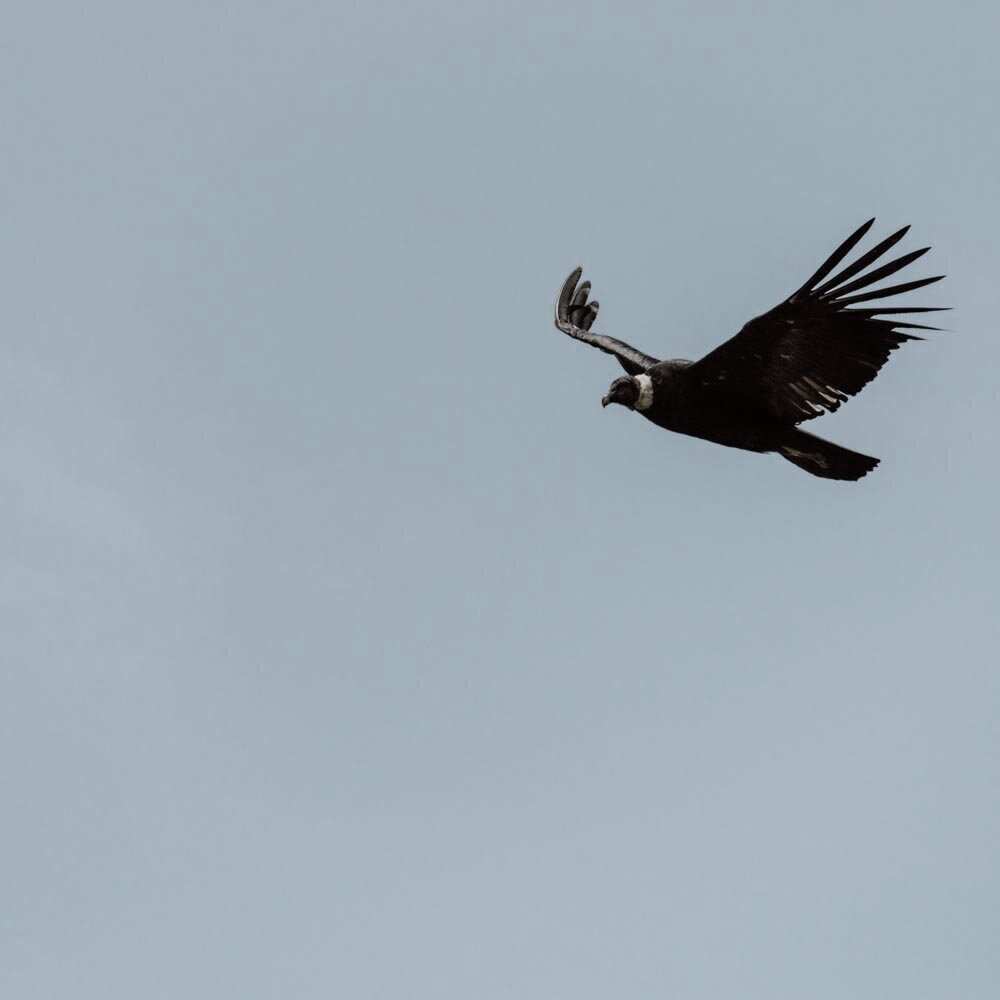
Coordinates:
[645,400]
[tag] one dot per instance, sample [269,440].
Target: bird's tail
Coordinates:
[824,458]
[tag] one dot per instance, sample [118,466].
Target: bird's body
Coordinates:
[737,422]
[800,360]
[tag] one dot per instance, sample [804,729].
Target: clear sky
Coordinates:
[349,649]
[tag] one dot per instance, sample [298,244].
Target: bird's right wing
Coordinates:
[811,352]
[575,316]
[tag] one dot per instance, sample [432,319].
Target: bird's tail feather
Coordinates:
[824,458]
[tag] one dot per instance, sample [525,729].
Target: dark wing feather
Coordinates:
[575,316]
[837,256]
[810,353]
[864,260]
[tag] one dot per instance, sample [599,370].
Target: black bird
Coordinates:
[801,359]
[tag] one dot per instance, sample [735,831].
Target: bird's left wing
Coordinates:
[810,353]
[575,316]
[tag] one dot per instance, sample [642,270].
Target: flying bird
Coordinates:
[800,360]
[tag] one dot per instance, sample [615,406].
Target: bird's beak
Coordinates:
[605,400]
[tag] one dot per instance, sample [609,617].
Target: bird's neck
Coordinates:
[645,400]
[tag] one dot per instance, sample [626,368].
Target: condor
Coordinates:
[801,359]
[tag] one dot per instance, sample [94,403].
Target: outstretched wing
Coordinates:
[575,316]
[810,353]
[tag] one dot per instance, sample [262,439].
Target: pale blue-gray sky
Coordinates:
[349,649]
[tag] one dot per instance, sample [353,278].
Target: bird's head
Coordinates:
[624,390]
